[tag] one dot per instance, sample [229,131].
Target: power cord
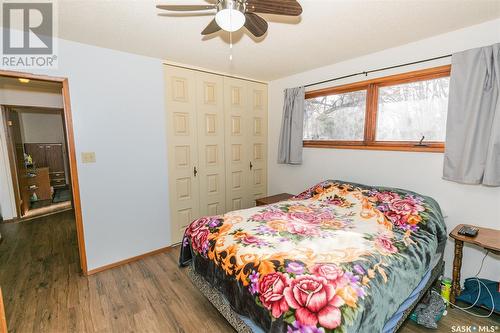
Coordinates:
[479,283]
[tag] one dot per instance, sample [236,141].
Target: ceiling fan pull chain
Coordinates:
[230,46]
[231,37]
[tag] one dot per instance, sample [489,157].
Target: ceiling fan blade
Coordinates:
[186,8]
[279,7]
[211,28]
[255,24]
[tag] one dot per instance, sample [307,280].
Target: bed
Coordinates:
[339,257]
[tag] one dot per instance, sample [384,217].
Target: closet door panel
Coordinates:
[237,149]
[257,141]
[210,113]
[182,148]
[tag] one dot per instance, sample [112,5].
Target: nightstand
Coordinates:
[273,199]
[488,239]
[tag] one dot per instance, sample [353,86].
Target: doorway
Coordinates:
[39,165]
[43,168]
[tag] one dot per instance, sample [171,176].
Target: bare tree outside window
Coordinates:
[336,117]
[384,113]
[407,112]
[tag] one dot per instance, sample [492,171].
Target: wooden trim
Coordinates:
[75,187]
[30,76]
[12,162]
[426,74]
[3,318]
[55,110]
[129,260]
[372,89]
[70,140]
[418,75]
[356,86]
[371,115]
[430,147]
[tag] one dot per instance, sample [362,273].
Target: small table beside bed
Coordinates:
[339,257]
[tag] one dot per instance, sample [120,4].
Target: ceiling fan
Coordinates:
[232,15]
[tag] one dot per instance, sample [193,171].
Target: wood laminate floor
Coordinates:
[44,292]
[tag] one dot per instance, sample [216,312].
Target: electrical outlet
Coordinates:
[88,157]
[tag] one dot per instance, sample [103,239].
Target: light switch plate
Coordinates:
[88,157]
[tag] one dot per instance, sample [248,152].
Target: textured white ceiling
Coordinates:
[326,33]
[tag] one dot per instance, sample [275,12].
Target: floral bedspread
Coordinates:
[338,257]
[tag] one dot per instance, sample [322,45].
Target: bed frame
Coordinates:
[223,306]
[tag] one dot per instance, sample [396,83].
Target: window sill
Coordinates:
[429,147]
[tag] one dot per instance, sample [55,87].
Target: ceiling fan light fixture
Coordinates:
[230,15]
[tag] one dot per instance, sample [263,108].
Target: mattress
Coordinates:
[339,257]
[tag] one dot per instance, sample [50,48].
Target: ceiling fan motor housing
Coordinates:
[238,5]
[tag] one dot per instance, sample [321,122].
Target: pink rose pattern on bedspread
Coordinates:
[311,260]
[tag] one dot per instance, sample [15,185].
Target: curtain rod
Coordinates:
[376,70]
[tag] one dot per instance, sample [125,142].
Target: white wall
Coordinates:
[118,111]
[42,127]
[25,96]
[420,172]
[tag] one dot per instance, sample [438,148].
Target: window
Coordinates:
[413,110]
[336,117]
[400,112]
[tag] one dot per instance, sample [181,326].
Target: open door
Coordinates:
[16,157]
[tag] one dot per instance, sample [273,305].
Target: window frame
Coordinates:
[372,86]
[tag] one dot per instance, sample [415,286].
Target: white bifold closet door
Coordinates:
[257,126]
[246,136]
[216,144]
[182,149]
[211,174]
[237,163]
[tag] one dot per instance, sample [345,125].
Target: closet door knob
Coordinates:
[251,165]
[195,172]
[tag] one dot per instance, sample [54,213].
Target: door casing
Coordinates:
[70,140]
